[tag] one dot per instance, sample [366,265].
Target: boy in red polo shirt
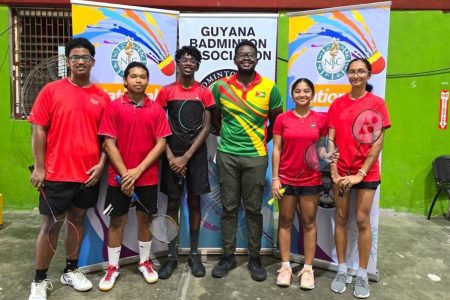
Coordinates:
[67,158]
[134,128]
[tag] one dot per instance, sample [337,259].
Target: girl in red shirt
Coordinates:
[293,132]
[357,168]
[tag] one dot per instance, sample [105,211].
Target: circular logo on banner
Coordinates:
[125,53]
[332,59]
[212,77]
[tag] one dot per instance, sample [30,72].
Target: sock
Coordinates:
[144,251]
[362,273]
[71,265]
[40,275]
[307,267]
[194,240]
[173,249]
[342,268]
[285,264]
[114,255]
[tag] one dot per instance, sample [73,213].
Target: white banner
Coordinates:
[216,36]
[123,34]
[321,44]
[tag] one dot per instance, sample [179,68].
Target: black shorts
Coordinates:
[369,185]
[302,190]
[61,195]
[196,176]
[118,204]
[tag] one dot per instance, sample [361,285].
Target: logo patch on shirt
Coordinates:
[313,125]
[94,101]
[260,94]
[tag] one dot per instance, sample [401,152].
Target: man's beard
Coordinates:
[246,71]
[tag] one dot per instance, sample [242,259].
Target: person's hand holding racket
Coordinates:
[37,176]
[179,165]
[129,178]
[277,189]
[94,175]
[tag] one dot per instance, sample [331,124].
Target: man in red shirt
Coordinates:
[135,130]
[67,158]
[186,153]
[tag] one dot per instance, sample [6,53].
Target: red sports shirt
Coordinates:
[297,134]
[136,129]
[71,115]
[343,111]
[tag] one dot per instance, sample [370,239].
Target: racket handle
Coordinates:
[272,200]
[134,197]
[180,179]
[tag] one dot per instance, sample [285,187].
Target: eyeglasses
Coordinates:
[185,60]
[241,55]
[360,72]
[77,58]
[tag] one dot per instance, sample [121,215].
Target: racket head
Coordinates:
[318,155]
[367,126]
[56,234]
[163,228]
[191,115]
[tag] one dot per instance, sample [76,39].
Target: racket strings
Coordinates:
[367,126]
[53,232]
[191,115]
[164,228]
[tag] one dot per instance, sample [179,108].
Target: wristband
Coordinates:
[275,178]
[362,172]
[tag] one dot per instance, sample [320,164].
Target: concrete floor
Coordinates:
[414,263]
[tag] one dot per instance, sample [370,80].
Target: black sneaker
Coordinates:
[195,263]
[167,268]
[225,264]
[257,271]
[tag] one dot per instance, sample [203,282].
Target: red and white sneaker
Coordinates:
[107,282]
[146,269]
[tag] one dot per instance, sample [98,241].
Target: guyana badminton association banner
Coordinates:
[121,35]
[216,36]
[321,44]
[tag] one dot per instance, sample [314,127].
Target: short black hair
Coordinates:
[244,43]
[191,50]
[79,43]
[305,80]
[134,64]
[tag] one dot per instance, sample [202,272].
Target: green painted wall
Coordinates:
[411,144]
[418,42]
[15,147]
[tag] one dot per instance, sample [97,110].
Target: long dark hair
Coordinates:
[369,87]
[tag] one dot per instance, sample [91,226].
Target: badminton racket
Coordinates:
[191,118]
[367,129]
[318,156]
[162,226]
[62,225]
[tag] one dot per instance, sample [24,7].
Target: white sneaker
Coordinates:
[146,269]
[39,290]
[77,279]
[107,282]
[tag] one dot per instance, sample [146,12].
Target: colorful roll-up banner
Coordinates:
[321,44]
[121,35]
[216,36]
